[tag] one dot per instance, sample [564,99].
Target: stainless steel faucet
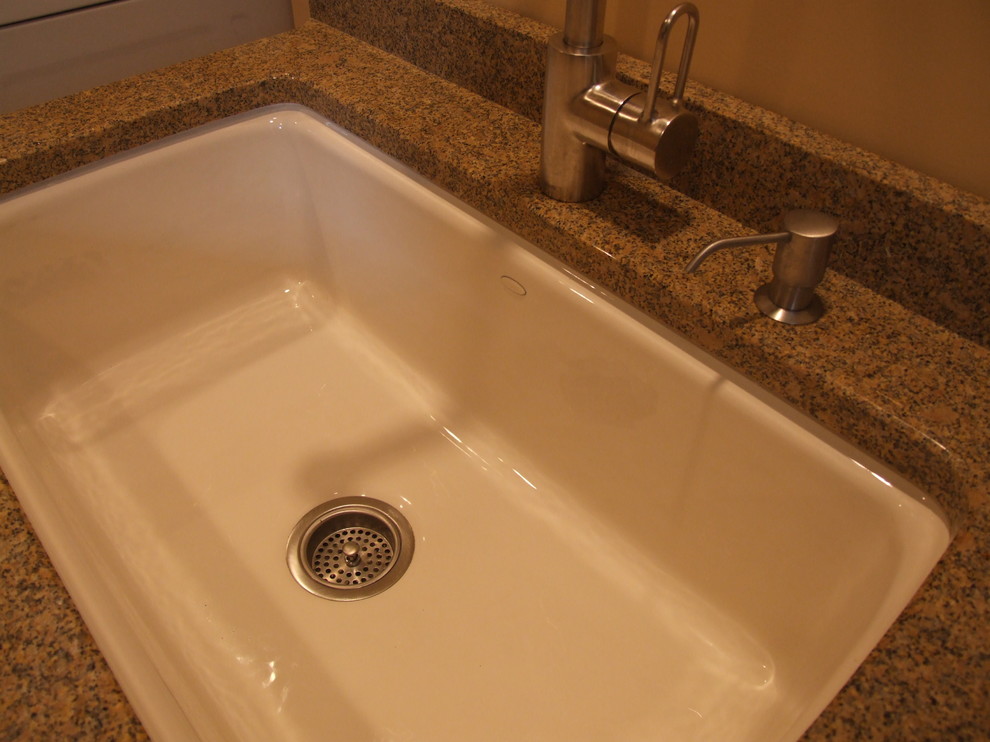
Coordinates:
[587,112]
[798,265]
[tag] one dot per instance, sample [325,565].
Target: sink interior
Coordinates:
[615,537]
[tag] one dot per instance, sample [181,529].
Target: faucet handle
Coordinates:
[798,265]
[660,52]
[651,132]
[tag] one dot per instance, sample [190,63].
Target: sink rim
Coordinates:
[927,501]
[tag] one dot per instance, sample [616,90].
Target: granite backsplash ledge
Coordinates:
[907,389]
[906,236]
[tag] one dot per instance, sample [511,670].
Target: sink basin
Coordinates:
[616,538]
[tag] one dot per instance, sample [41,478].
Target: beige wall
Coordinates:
[300,12]
[907,79]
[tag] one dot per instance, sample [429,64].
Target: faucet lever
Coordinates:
[660,53]
[798,265]
[653,133]
[588,112]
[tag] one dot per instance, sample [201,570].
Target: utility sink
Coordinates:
[615,538]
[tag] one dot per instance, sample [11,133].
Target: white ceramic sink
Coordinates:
[615,538]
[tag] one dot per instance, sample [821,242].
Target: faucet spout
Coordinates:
[588,112]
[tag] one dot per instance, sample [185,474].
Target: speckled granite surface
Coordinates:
[884,370]
[907,236]
[55,684]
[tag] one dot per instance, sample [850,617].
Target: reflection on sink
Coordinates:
[616,538]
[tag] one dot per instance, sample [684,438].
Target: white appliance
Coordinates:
[51,48]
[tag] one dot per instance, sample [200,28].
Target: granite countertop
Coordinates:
[899,365]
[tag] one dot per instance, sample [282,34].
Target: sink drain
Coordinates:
[350,548]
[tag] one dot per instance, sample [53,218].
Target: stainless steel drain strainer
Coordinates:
[350,548]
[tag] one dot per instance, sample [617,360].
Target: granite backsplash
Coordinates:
[906,236]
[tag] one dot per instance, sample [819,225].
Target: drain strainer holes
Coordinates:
[352,556]
[350,548]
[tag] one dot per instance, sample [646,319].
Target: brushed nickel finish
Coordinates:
[588,113]
[798,265]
